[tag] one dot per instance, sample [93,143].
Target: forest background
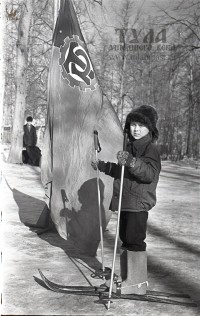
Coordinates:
[143,52]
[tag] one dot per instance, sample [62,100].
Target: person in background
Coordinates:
[29,142]
[142,167]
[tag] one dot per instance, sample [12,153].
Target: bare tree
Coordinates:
[15,155]
[191,103]
[2,59]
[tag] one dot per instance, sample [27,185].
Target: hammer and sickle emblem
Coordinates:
[77,64]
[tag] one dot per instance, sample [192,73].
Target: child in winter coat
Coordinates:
[142,167]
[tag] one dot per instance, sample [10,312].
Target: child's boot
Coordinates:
[133,272]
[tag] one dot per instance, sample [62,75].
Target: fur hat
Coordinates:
[29,119]
[146,115]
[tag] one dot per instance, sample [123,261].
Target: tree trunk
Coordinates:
[191,110]
[55,11]
[15,155]
[2,61]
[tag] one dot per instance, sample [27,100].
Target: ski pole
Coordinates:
[98,149]
[117,227]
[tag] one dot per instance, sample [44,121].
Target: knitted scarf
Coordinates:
[137,146]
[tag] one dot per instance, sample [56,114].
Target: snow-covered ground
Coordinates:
[173,245]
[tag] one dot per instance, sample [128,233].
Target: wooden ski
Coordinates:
[102,293]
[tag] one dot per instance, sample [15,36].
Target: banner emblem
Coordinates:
[76,65]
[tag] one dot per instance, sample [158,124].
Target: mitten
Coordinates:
[122,157]
[130,162]
[101,165]
[126,159]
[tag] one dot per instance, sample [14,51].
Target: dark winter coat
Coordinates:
[29,137]
[140,182]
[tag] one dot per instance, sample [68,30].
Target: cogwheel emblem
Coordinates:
[76,65]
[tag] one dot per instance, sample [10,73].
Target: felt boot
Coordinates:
[133,272]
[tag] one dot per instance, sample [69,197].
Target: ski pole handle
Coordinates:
[96,142]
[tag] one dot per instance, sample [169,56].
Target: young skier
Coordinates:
[142,167]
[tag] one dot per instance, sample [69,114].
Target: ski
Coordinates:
[57,287]
[150,296]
